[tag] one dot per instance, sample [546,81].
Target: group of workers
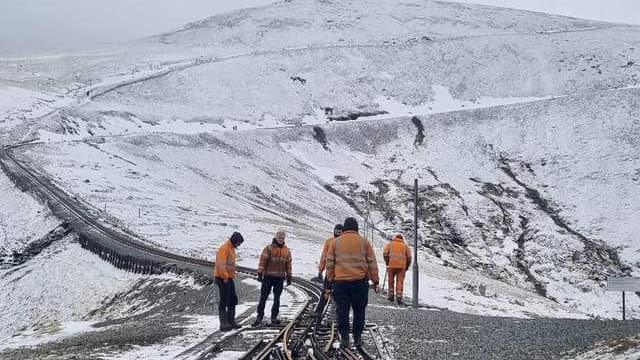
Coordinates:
[350,264]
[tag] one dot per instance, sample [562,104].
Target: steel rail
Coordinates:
[74,209]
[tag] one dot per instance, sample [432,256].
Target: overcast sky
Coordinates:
[28,26]
[62,25]
[625,11]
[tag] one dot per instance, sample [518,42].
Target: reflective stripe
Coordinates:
[397,258]
[281,259]
[350,260]
[350,256]
[275,261]
[225,266]
[361,265]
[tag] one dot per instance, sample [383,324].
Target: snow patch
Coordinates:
[198,329]
[47,332]
[443,102]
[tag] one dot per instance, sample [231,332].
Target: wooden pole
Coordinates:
[416,278]
[624,317]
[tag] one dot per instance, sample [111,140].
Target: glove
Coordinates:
[327,294]
[260,277]
[288,281]
[328,285]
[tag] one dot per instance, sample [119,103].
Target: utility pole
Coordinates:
[366,217]
[624,316]
[416,279]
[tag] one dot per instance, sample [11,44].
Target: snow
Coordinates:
[216,165]
[199,328]
[143,132]
[230,355]
[62,284]
[48,332]
[14,100]
[22,218]
[622,349]
[443,101]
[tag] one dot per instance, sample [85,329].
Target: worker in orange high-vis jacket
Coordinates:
[337,231]
[273,269]
[351,264]
[224,272]
[397,256]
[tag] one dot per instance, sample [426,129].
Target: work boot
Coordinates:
[400,301]
[224,322]
[232,318]
[357,341]
[275,321]
[258,321]
[390,297]
[344,341]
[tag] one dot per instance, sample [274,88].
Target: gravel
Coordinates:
[164,313]
[437,334]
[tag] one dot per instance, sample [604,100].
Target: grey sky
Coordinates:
[61,25]
[624,11]
[28,26]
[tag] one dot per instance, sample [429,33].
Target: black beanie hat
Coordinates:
[336,229]
[236,239]
[350,224]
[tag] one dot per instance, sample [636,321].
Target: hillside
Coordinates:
[521,128]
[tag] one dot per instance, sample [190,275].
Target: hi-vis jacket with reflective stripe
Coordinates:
[275,261]
[323,257]
[397,254]
[350,257]
[225,267]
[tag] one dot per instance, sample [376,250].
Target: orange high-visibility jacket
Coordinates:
[275,261]
[350,258]
[323,257]
[225,267]
[397,254]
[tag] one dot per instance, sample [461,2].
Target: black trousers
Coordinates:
[228,296]
[349,295]
[269,282]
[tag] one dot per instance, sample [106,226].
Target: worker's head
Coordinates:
[350,224]
[399,236]
[236,239]
[280,237]
[337,230]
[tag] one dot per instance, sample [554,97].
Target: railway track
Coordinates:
[309,334]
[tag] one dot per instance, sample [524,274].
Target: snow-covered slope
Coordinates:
[312,85]
[536,196]
[258,67]
[22,219]
[532,205]
[62,284]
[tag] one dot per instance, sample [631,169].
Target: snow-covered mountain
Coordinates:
[521,128]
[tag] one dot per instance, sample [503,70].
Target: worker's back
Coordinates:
[398,253]
[351,258]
